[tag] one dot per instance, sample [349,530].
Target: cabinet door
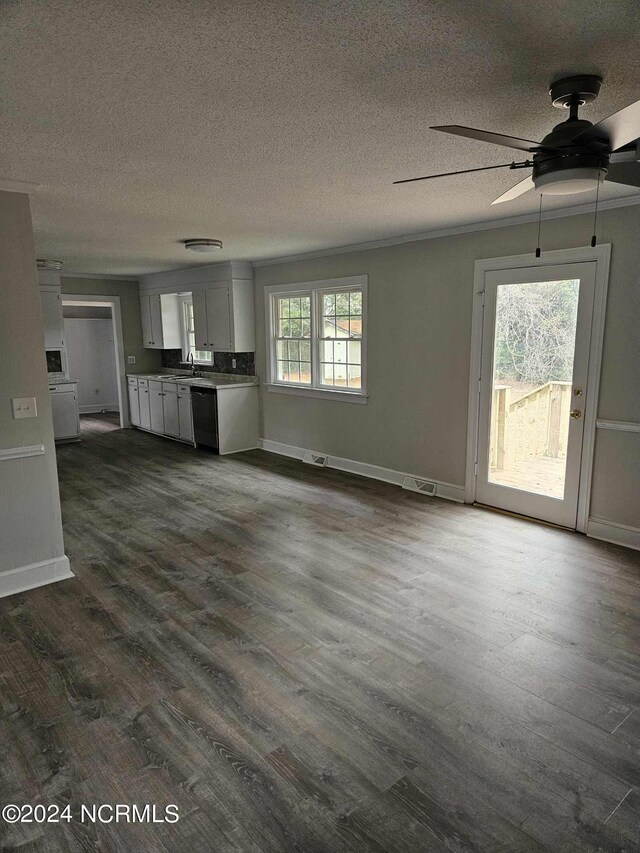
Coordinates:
[145,314]
[134,403]
[155,310]
[155,406]
[52,316]
[145,409]
[170,410]
[184,414]
[64,409]
[219,318]
[200,320]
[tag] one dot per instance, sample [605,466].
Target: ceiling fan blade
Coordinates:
[459,172]
[519,189]
[624,173]
[619,129]
[488,136]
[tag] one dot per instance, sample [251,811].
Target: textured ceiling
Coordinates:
[278,127]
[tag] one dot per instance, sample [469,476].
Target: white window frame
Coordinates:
[183,300]
[315,289]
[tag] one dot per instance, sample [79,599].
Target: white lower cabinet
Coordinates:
[64,412]
[156,407]
[134,401]
[170,410]
[185,418]
[145,409]
[162,407]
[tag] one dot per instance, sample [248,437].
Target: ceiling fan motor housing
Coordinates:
[565,168]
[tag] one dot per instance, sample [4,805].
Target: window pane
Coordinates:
[306,328]
[355,376]
[340,374]
[327,374]
[329,304]
[342,303]
[305,306]
[294,371]
[285,329]
[281,349]
[355,302]
[281,367]
[294,307]
[326,351]
[294,351]
[355,327]
[340,351]
[305,372]
[354,352]
[329,327]
[283,308]
[305,350]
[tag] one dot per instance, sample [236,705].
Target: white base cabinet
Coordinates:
[64,411]
[145,410]
[156,407]
[134,401]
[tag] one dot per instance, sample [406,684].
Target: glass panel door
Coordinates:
[534,370]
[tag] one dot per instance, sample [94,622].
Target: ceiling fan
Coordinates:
[577,155]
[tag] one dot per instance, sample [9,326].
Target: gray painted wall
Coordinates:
[30,524]
[91,357]
[420,308]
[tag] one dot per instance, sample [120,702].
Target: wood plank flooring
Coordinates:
[304,660]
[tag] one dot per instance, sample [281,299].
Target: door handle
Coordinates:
[574,414]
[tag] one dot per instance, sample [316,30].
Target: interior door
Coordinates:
[535,361]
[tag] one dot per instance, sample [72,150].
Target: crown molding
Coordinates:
[487,225]
[98,276]
[11,186]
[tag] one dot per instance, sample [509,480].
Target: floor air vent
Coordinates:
[425,487]
[318,459]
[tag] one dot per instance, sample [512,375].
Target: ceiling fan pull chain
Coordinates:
[595,214]
[539,224]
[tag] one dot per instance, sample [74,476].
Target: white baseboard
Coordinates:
[375,472]
[618,534]
[93,410]
[34,575]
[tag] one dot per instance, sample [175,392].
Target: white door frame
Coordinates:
[601,255]
[116,317]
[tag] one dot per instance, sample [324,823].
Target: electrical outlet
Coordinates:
[24,407]
[131,359]
[233,363]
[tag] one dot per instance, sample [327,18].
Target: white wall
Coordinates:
[420,306]
[31,545]
[92,362]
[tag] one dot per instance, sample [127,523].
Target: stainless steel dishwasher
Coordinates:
[204,405]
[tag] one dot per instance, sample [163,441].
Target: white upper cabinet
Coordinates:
[223,317]
[160,314]
[52,316]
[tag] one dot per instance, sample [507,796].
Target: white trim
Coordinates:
[374,472]
[97,275]
[34,575]
[322,393]
[118,337]
[618,534]
[601,255]
[470,227]
[10,186]
[21,452]
[622,426]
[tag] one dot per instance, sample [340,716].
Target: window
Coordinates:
[189,335]
[317,338]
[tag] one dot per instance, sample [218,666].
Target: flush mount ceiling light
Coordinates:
[201,245]
[46,264]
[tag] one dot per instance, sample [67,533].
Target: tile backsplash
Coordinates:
[245,362]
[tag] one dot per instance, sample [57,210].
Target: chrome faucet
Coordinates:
[190,361]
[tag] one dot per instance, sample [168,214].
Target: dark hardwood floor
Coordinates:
[304,660]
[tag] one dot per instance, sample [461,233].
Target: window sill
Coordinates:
[303,391]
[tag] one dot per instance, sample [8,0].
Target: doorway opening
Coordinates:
[95,353]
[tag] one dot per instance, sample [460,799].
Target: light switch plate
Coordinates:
[131,359]
[24,407]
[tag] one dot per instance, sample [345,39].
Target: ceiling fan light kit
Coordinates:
[577,155]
